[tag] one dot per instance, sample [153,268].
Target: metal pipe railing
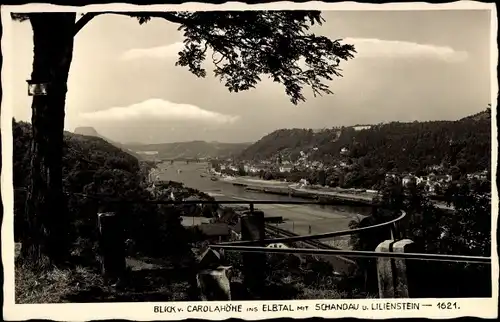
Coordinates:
[251,203]
[353,253]
[244,246]
[315,236]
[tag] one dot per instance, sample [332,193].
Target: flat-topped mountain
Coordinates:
[87,130]
[90,131]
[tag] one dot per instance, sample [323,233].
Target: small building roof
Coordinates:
[216,229]
[208,258]
[190,221]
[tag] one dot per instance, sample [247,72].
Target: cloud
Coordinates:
[378,48]
[168,51]
[158,109]
[365,47]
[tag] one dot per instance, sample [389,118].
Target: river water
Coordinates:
[301,219]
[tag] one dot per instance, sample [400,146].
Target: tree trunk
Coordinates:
[46,238]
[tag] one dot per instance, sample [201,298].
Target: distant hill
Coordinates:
[90,131]
[405,146]
[192,149]
[481,116]
[80,152]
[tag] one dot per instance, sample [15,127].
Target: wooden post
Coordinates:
[214,284]
[402,284]
[254,264]
[112,246]
[212,280]
[384,271]
[391,272]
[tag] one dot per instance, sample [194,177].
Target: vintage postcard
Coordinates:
[250,161]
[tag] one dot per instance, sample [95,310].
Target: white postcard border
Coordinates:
[484,308]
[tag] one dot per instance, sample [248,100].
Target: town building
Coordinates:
[215,232]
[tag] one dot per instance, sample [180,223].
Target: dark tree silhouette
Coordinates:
[245,45]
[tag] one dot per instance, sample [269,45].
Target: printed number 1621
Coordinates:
[448,306]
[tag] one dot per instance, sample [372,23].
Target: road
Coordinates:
[297,218]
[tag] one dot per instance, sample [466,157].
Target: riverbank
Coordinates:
[355,198]
[348,197]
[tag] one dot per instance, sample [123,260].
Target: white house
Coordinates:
[277,245]
[387,175]
[362,127]
[407,180]
[285,169]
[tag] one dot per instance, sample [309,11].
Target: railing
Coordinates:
[390,223]
[244,246]
[366,254]
[383,253]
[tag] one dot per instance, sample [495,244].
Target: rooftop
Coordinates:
[217,229]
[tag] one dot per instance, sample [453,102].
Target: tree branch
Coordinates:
[84,20]
[154,14]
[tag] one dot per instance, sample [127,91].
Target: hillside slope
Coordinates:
[81,153]
[90,131]
[193,149]
[405,146]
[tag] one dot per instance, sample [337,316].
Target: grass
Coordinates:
[54,286]
[154,279]
[340,243]
[86,285]
[151,284]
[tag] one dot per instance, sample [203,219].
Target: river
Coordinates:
[298,218]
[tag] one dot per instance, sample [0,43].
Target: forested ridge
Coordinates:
[411,147]
[192,149]
[95,167]
[90,131]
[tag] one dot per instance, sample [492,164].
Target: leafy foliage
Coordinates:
[248,44]
[465,231]
[254,43]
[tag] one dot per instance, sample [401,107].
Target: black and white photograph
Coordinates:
[266,155]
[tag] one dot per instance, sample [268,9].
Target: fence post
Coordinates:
[254,264]
[212,278]
[402,281]
[214,284]
[384,271]
[391,272]
[112,246]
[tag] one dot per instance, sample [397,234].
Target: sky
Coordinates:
[410,65]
